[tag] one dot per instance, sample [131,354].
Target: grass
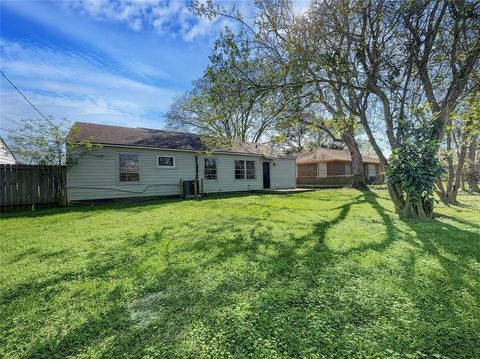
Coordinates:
[332,273]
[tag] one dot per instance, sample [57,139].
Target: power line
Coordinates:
[14,132]
[5,117]
[11,131]
[19,124]
[26,99]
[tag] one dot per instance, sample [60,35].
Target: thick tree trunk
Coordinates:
[440,190]
[473,170]
[458,175]
[359,180]
[451,168]
[455,173]
[422,208]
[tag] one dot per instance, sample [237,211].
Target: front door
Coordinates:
[266,174]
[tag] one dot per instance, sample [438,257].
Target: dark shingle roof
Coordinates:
[144,137]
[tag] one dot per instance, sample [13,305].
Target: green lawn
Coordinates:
[332,273]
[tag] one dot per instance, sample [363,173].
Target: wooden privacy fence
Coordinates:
[23,186]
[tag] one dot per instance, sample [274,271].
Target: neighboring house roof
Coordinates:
[145,137]
[320,154]
[6,155]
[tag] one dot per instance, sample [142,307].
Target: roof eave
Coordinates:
[187,150]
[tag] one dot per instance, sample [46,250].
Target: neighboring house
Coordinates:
[134,162]
[324,166]
[6,156]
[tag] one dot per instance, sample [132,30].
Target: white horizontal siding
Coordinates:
[226,181]
[283,173]
[95,176]
[6,157]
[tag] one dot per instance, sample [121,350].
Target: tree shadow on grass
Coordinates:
[456,219]
[438,292]
[183,296]
[254,286]
[439,239]
[134,205]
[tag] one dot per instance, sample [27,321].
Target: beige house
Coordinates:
[324,166]
[137,162]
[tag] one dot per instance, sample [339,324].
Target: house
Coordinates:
[6,156]
[324,166]
[135,162]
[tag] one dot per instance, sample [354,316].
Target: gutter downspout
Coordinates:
[197,184]
[196,167]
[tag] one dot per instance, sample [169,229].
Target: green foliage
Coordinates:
[368,63]
[226,101]
[326,274]
[466,118]
[77,149]
[414,165]
[39,142]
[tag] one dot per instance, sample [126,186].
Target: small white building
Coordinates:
[136,162]
[6,156]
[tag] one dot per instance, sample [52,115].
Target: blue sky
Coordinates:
[114,62]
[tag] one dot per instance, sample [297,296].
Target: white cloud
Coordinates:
[71,85]
[171,17]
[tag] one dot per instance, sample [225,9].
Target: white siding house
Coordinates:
[6,156]
[120,169]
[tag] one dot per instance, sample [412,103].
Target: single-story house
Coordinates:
[324,166]
[136,162]
[6,156]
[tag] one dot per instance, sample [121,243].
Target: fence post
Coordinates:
[62,186]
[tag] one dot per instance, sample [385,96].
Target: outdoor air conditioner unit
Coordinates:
[189,188]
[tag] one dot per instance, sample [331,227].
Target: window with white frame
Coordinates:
[239,169]
[210,169]
[166,161]
[250,169]
[128,167]
[244,169]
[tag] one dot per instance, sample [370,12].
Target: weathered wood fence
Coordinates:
[25,186]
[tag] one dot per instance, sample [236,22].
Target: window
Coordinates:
[244,169]
[166,161]
[250,169]
[239,169]
[210,169]
[128,167]
[348,168]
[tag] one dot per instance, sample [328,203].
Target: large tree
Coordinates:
[405,64]
[225,103]
[402,64]
[283,43]
[461,140]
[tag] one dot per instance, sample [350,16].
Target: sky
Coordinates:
[109,62]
